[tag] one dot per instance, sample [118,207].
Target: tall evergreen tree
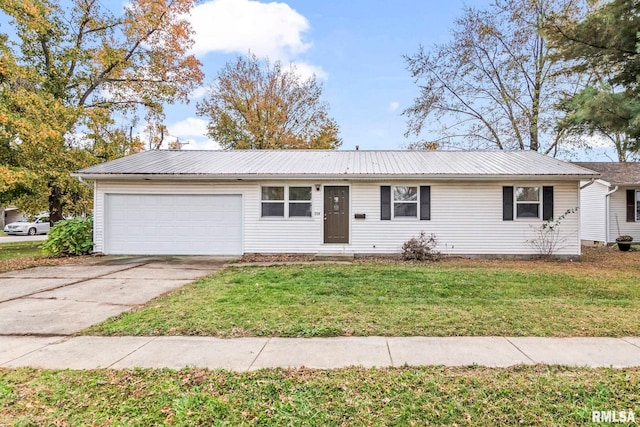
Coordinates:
[606,44]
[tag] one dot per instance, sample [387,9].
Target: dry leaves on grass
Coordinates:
[593,258]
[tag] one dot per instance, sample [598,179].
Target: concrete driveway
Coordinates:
[62,300]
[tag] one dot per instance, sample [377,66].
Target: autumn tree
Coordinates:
[605,44]
[495,84]
[71,74]
[254,104]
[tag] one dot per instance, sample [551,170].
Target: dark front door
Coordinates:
[336,214]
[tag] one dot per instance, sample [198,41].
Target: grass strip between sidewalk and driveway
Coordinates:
[394,299]
[17,250]
[523,396]
[27,254]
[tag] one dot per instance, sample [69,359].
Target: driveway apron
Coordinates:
[63,300]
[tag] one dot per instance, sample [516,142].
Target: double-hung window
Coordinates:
[273,202]
[286,202]
[300,202]
[528,202]
[405,202]
[638,205]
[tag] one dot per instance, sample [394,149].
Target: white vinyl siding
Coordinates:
[618,224]
[592,212]
[259,235]
[283,235]
[466,217]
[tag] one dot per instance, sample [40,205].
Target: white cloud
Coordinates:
[191,133]
[198,92]
[393,106]
[306,70]
[189,127]
[271,30]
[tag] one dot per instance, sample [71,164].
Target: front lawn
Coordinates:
[391,299]
[17,250]
[20,255]
[523,396]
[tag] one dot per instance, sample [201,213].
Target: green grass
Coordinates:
[523,396]
[394,300]
[17,250]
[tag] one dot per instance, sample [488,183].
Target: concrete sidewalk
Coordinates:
[246,354]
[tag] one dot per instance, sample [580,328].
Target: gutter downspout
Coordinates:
[82,181]
[588,183]
[607,203]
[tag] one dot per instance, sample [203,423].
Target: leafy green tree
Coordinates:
[602,112]
[495,84]
[254,104]
[68,72]
[606,44]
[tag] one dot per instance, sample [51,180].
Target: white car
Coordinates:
[29,228]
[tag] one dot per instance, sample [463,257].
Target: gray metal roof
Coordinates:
[247,164]
[615,173]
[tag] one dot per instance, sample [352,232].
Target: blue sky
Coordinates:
[355,47]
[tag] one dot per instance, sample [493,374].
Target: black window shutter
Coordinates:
[547,203]
[385,202]
[507,203]
[631,208]
[425,202]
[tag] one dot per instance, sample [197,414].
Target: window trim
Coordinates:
[516,202]
[637,193]
[416,202]
[286,201]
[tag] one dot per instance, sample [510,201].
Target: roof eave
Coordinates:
[332,177]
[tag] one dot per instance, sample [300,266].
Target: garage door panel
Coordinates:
[173,224]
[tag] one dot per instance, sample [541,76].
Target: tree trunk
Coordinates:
[55,204]
[534,142]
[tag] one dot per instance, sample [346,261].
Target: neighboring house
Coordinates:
[611,204]
[10,214]
[328,202]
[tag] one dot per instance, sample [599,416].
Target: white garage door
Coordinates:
[173,224]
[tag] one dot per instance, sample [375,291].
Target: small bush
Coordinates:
[421,248]
[548,237]
[70,237]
